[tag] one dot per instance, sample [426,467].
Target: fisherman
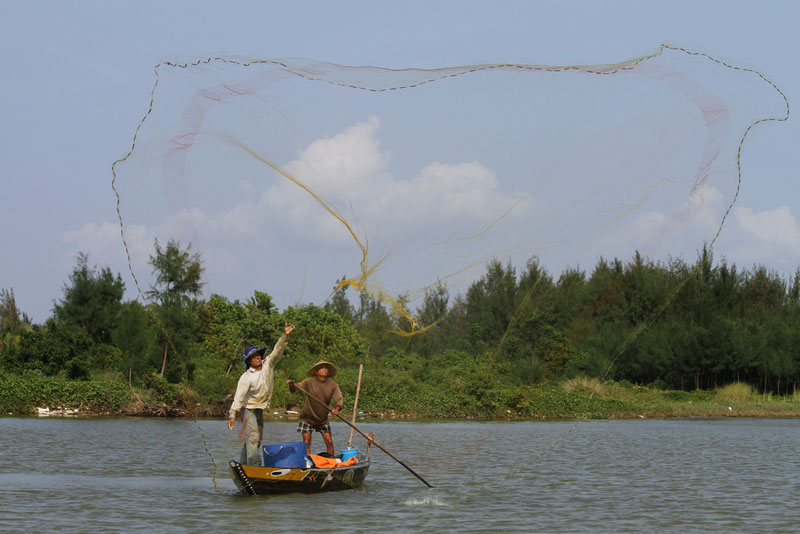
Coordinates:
[314,415]
[254,392]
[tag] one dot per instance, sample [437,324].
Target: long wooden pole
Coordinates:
[371,439]
[355,404]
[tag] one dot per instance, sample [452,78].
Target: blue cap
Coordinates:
[249,352]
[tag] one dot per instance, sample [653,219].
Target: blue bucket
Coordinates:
[349,453]
[291,455]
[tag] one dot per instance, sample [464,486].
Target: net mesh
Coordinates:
[289,174]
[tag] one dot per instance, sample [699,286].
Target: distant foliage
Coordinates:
[23,394]
[702,331]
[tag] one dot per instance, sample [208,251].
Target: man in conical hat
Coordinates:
[314,415]
[253,393]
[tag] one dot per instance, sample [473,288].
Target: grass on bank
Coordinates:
[385,397]
[733,400]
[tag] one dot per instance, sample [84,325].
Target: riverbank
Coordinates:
[574,399]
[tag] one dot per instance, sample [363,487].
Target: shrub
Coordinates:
[210,380]
[22,394]
[161,389]
[736,392]
[583,383]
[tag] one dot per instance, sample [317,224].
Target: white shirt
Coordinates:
[255,387]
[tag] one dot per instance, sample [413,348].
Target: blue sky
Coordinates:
[77,78]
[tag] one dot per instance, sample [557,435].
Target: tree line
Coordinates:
[672,325]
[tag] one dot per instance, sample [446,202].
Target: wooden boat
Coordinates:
[257,480]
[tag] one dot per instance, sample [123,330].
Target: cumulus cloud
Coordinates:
[777,227]
[749,237]
[769,238]
[105,241]
[677,229]
[350,173]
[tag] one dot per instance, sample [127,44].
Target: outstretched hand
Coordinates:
[287,329]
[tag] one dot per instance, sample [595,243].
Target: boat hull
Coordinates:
[256,480]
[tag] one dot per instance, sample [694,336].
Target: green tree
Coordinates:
[10,319]
[92,300]
[262,302]
[224,324]
[27,350]
[764,291]
[339,303]
[177,273]
[54,348]
[374,323]
[434,305]
[402,318]
[432,314]
[11,324]
[490,302]
[134,336]
[570,298]
[177,279]
[320,334]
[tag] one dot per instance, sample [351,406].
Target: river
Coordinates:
[151,475]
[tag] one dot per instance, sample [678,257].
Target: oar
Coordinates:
[371,439]
[355,404]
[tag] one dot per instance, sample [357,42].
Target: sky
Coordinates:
[77,78]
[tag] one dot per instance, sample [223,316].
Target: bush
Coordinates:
[736,392]
[658,384]
[160,388]
[24,393]
[210,380]
[583,383]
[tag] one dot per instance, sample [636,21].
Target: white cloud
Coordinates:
[105,241]
[93,236]
[443,192]
[775,227]
[679,230]
[349,172]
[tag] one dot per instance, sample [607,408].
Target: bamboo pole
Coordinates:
[355,405]
[369,437]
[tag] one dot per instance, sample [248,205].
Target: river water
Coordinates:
[149,475]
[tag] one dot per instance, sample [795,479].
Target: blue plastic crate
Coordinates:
[291,455]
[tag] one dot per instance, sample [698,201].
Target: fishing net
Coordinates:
[288,175]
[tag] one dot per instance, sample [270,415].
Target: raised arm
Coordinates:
[277,352]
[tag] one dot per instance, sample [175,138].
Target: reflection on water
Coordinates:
[131,475]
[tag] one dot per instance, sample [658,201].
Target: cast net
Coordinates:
[290,174]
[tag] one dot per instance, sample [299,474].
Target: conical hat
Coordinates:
[323,363]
